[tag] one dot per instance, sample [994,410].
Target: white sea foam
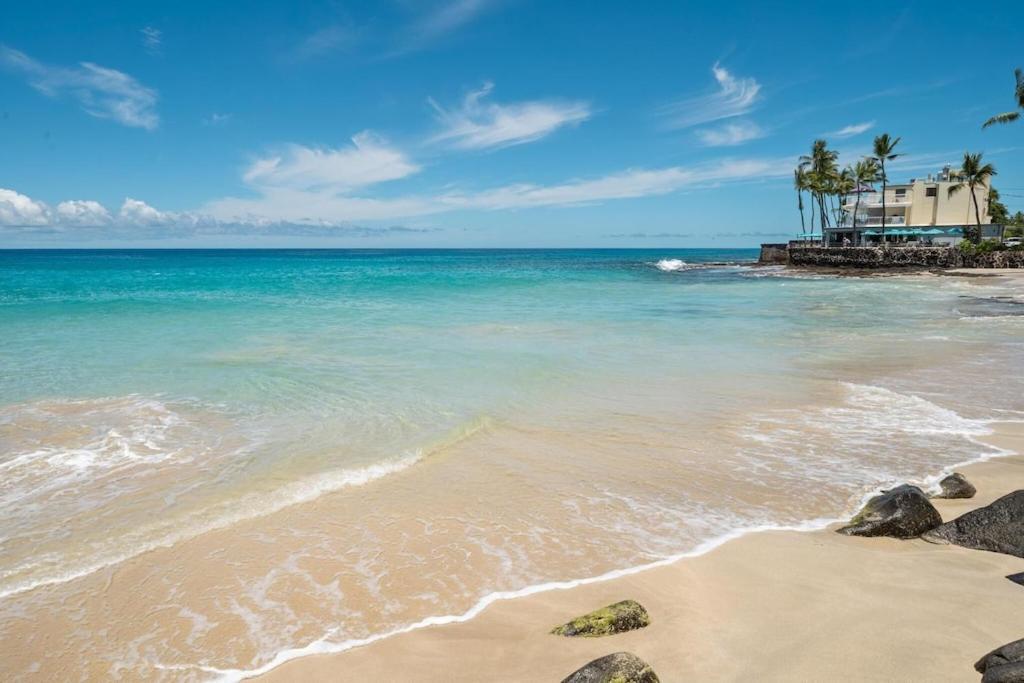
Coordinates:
[671,264]
[324,645]
[869,407]
[228,513]
[250,507]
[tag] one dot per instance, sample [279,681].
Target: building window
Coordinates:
[931,192]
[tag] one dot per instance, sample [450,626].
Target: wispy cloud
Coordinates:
[324,207]
[101,92]
[152,39]
[734,97]
[851,130]
[216,119]
[369,160]
[340,37]
[301,190]
[730,134]
[481,125]
[438,21]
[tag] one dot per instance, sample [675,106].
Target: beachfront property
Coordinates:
[919,213]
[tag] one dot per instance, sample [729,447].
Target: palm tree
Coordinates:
[865,172]
[884,151]
[973,174]
[844,184]
[1006,117]
[800,184]
[820,165]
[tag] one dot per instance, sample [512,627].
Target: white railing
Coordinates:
[874,221]
[875,199]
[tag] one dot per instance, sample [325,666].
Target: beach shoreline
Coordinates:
[770,604]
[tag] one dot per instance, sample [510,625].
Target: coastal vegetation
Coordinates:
[1007,117]
[885,150]
[971,174]
[828,187]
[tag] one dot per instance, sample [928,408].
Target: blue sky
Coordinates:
[480,123]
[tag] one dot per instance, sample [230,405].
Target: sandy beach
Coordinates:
[767,606]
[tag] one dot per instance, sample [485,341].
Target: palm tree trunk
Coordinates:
[856,210]
[882,161]
[800,203]
[977,215]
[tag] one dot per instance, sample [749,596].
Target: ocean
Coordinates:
[211,461]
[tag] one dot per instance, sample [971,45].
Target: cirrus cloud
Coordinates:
[477,124]
[100,91]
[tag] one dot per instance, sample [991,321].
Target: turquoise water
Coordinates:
[527,407]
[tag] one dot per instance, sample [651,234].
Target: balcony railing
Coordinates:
[873,221]
[872,199]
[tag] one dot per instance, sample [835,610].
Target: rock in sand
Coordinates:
[956,486]
[623,616]
[902,512]
[998,527]
[1004,664]
[621,667]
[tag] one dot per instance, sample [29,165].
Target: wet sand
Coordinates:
[766,606]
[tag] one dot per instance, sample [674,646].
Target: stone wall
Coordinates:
[899,257]
[773,253]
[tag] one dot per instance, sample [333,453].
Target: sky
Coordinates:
[476,123]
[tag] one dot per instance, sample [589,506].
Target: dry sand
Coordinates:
[766,606]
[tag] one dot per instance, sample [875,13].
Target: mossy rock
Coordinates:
[621,667]
[627,615]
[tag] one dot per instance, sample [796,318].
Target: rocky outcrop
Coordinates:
[956,486]
[902,512]
[621,667]
[1004,664]
[998,527]
[899,257]
[627,615]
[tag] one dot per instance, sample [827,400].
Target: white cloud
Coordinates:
[730,134]
[101,92]
[292,210]
[137,212]
[17,210]
[441,19]
[152,39]
[734,97]
[216,119]
[82,212]
[627,184]
[325,40]
[851,130]
[368,161]
[481,125]
[324,208]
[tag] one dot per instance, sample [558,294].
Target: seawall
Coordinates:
[914,257]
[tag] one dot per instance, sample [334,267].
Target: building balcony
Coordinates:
[873,222]
[874,199]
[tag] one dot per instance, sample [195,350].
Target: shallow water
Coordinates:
[210,458]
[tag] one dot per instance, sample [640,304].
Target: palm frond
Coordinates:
[953,189]
[1006,117]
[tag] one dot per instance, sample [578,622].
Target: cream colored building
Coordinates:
[921,211]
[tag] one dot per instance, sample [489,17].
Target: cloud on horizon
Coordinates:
[279,210]
[101,92]
[476,124]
